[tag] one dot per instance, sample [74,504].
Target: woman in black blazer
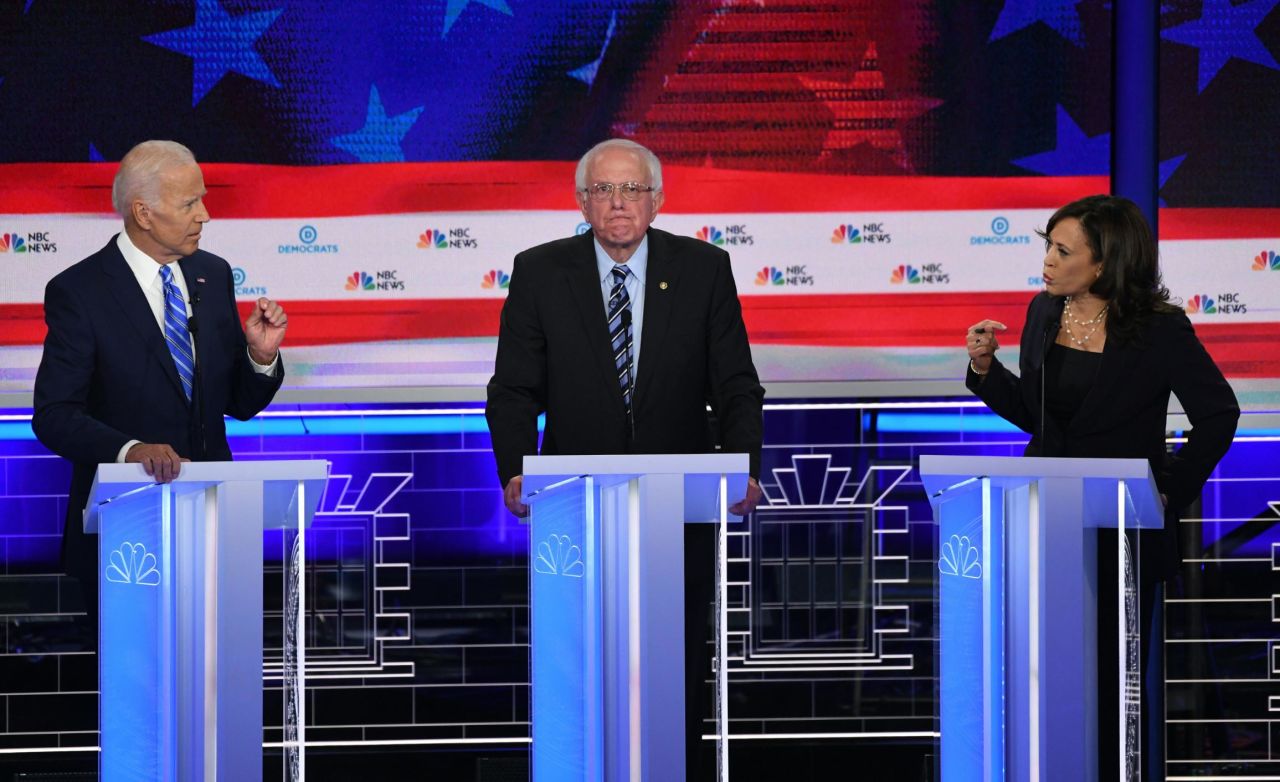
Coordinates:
[1102,350]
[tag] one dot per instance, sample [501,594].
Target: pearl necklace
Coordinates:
[1070,319]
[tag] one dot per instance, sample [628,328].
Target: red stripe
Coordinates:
[238,190]
[932,320]
[1221,224]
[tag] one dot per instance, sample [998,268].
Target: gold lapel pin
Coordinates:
[662,285]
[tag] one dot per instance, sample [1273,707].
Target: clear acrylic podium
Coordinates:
[607,600]
[1018,611]
[180,627]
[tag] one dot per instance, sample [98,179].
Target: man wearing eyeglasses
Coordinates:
[623,336]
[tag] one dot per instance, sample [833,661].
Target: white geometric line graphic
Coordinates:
[133,564]
[557,555]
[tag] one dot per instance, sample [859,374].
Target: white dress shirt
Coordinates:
[147,271]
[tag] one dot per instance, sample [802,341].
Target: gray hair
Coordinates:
[649,159]
[139,174]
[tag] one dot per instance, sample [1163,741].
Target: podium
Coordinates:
[180,598]
[1018,610]
[607,600]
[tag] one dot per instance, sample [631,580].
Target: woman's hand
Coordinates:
[982,344]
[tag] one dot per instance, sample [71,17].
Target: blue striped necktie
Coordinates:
[175,330]
[620,332]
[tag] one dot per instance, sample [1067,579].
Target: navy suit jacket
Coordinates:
[554,356]
[106,376]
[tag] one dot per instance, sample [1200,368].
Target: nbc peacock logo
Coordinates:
[432,239]
[496,279]
[905,273]
[709,233]
[360,281]
[846,234]
[769,275]
[12,243]
[1267,260]
[1202,304]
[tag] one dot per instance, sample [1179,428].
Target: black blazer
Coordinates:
[554,357]
[1124,414]
[106,376]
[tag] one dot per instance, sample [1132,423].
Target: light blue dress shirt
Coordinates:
[638,264]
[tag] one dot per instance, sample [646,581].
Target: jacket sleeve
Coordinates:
[1002,390]
[517,391]
[251,390]
[1210,405]
[736,394]
[64,383]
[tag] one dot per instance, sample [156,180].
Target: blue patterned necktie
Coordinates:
[175,330]
[620,331]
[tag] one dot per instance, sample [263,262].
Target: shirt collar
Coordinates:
[143,266]
[638,263]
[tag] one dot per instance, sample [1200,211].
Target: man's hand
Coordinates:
[264,330]
[748,503]
[159,460]
[511,497]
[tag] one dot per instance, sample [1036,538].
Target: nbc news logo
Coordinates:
[732,235]
[35,242]
[454,238]
[496,279]
[790,275]
[1230,303]
[870,233]
[384,280]
[1267,260]
[927,274]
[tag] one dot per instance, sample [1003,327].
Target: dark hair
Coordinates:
[1120,239]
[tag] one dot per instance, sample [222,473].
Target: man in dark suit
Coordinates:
[143,355]
[623,336]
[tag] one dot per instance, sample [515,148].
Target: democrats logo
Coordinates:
[999,234]
[732,236]
[787,275]
[307,244]
[454,238]
[240,279]
[925,274]
[34,242]
[1267,260]
[869,233]
[583,228]
[1229,303]
[496,279]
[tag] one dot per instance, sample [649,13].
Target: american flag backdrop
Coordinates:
[876,168]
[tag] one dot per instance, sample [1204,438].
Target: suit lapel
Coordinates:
[660,288]
[124,288]
[584,282]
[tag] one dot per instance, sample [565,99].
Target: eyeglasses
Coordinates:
[603,191]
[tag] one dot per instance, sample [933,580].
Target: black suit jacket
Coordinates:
[1124,414]
[554,356]
[106,376]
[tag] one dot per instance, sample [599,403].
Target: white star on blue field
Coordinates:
[218,44]
[1224,31]
[379,140]
[1061,15]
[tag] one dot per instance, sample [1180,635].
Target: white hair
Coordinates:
[649,159]
[140,169]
